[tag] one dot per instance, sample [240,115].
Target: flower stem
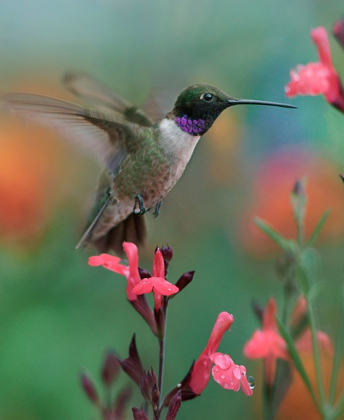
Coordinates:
[300,234]
[338,353]
[161,364]
[340,404]
[312,322]
[162,357]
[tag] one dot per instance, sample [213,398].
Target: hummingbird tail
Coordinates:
[132,229]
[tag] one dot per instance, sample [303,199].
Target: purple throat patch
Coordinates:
[193,127]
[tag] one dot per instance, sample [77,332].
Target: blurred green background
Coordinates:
[57,314]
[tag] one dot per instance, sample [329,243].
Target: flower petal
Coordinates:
[110,262]
[158,264]
[145,286]
[232,377]
[270,312]
[133,275]
[223,361]
[164,287]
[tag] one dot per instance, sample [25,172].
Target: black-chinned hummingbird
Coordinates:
[143,159]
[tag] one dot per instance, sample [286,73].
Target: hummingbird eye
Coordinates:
[207,97]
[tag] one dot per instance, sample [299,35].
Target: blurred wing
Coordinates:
[95,93]
[104,134]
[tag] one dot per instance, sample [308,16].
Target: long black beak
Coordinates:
[234,101]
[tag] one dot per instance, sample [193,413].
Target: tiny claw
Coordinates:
[157,209]
[142,209]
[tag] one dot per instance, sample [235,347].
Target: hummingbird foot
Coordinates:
[157,209]
[142,209]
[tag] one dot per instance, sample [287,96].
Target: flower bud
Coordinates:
[110,368]
[144,274]
[174,406]
[184,280]
[89,388]
[147,384]
[132,365]
[167,253]
[139,414]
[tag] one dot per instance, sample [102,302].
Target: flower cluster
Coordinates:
[141,282]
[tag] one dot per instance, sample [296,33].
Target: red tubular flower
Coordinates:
[157,282]
[318,78]
[132,275]
[201,371]
[113,263]
[267,343]
[229,375]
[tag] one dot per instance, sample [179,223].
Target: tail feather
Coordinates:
[132,229]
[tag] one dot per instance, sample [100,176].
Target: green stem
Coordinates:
[338,354]
[161,364]
[285,308]
[340,403]
[162,360]
[300,233]
[312,322]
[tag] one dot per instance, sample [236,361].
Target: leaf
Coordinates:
[311,262]
[315,291]
[296,358]
[302,278]
[286,244]
[274,394]
[318,228]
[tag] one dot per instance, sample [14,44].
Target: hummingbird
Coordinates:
[142,158]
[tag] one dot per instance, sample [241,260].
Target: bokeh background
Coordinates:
[57,314]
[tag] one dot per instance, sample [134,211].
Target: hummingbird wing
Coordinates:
[105,134]
[95,93]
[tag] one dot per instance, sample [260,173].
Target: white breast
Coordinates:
[179,145]
[175,141]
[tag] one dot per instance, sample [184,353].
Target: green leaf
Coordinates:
[286,244]
[296,358]
[318,228]
[303,281]
[311,261]
[315,291]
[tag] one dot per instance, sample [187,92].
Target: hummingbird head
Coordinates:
[198,106]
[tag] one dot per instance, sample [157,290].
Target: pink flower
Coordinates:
[113,263]
[318,78]
[267,343]
[304,341]
[201,371]
[229,375]
[157,282]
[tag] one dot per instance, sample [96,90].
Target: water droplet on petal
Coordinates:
[223,376]
[251,382]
